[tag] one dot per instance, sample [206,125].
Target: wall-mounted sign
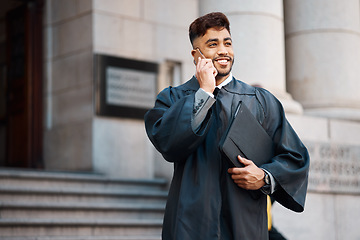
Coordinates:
[124,87]
[334,168]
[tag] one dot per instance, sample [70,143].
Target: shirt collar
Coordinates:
[225,82]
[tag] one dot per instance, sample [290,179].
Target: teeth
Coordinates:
[222,61]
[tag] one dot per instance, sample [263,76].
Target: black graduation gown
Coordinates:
[204,202]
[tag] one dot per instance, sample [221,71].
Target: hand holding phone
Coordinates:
[205,72]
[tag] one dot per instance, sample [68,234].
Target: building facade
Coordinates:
[306,52]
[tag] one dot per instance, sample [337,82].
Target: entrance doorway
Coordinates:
[21,84]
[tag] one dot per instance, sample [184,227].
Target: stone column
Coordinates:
[323,56]
[68,86]
[257,29]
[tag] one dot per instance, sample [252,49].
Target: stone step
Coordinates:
[85,238]
[40,205]
[24,229]
[46,179]
[31,194]
[11,210]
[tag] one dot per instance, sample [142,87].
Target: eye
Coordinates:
[212,44]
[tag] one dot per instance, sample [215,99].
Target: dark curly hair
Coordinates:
[199,27]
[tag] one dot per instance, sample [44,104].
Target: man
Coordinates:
[209,198]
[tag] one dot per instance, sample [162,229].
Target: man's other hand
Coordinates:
[249,177]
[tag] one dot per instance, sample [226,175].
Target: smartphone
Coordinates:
[198,54]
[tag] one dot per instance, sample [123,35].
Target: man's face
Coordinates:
[217,45]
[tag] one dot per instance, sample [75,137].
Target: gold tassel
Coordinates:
[269,212]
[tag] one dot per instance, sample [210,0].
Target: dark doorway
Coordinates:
[21,113]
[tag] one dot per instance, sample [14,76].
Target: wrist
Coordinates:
[266,178]
[266,188]
[208,89]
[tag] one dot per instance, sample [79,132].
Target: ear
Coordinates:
[193,54]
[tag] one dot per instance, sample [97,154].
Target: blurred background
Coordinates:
[77,76]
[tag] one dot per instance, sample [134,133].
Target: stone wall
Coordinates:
[333,200]
[134,29]
[76,139]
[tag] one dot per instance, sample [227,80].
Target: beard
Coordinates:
[224,72]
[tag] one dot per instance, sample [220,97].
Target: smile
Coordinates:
[223,61]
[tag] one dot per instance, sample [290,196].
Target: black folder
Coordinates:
[247,138]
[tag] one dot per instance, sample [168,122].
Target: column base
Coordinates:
[289,104]
[352,114]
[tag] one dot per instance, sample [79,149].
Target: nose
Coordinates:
[222,50]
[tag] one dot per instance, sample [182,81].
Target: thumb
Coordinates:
[215,72]
[244,161]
